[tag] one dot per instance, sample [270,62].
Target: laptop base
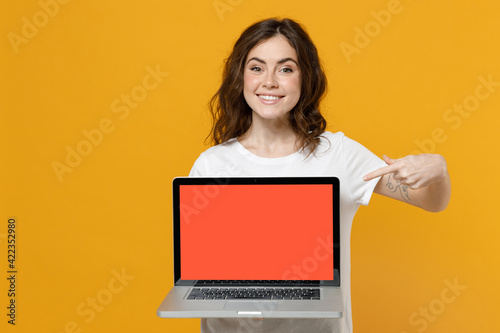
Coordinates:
[176,305]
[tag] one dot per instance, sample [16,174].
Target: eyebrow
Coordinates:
[279,62]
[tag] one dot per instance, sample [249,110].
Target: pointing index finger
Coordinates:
[380,172]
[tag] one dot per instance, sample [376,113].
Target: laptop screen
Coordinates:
[256,228]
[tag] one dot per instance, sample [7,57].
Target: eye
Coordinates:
[256,69]
[287,70]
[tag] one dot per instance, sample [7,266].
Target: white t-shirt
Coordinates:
[336,155]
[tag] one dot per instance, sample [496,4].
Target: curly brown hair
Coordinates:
[231,114]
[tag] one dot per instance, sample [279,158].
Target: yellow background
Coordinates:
[113,213]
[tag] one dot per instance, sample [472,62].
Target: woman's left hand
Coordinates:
[421,180]
[416,171]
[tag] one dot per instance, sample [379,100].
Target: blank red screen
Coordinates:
[256,232]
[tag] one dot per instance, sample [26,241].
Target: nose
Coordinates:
[270,80]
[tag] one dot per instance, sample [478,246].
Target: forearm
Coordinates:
[434,197]
[421,180]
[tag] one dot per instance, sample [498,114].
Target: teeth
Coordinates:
[269,98]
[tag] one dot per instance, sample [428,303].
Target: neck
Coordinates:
[270,138]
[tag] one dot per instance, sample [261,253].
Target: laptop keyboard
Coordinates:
[257,283]
[255,293]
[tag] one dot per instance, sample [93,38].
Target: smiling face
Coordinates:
[272,79]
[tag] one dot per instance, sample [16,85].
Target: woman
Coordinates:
[267,123]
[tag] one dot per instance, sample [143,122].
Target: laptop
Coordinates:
[265,247]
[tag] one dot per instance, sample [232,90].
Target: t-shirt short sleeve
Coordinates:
[199,168]
[359,162]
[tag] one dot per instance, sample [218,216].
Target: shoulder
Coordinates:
[340,141]
[329,142]
[332,137]
[339,147]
